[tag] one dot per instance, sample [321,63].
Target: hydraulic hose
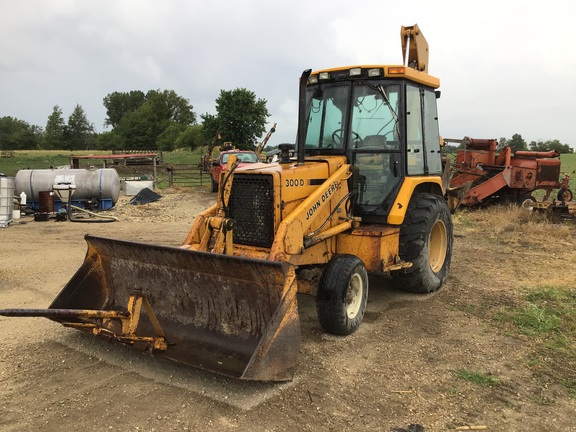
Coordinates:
[102,219]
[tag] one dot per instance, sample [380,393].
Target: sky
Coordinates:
[505,66]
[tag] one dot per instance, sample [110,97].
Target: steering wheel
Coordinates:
[337,138]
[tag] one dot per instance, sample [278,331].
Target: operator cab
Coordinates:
[359,113]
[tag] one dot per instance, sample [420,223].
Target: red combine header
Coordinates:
[481,175]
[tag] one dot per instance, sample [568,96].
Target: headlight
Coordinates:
[376,72]
[355,72]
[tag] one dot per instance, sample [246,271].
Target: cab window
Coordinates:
[375,142]
[432,133]
[414,138]
[328,113]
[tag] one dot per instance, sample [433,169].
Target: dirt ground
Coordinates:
[397,373]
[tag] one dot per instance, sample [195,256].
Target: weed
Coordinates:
[545,293]
[542,400]
[534,362]
[548,317]
[467,308]
[535,319]
[484,380]
[570,386]
[560,342]
[462,219]
[548,310]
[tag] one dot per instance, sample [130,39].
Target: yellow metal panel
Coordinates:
[312,212]
[318,254]
[396,215]
[375,245]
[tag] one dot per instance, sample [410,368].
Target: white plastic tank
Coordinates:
[6,200]
[101,183]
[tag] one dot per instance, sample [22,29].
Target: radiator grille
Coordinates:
[251,206]
[548,173]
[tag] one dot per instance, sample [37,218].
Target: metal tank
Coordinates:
[95,188]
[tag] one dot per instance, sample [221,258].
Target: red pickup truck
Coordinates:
[245,157]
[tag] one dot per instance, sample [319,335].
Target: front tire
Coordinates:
[214,185]
[565,195]
[426,237]
[342,295]
[526,200]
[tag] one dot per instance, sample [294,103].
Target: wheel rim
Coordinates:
[354,296]
[527,203]
[437,246]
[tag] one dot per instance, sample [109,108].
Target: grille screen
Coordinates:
[548,173]
[251,207]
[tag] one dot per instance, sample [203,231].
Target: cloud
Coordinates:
[505,67]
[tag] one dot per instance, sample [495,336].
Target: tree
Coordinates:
[551,145]
[18,135]
[502,142]
[79,132]
[167,139]
[137,130]
[241,118]
[209,126]
[119,104]
[515,143]
[153,121]
[557,145]
[109,140]
[192,137]
[167,105]
[54,135]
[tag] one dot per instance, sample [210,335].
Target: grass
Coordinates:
[478,378]
[183,157]
[568,166]
[549,312]
[568,163]
[570,386]
[539,308]
[534,319]
[36,159]
[45,159]
[548,318]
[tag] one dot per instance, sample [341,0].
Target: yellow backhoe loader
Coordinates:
[364,194]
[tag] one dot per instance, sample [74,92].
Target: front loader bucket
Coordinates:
[220,313]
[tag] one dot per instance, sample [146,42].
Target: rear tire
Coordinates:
[342,295]
[425,240]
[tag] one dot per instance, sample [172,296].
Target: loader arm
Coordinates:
[415,42]
[212,230]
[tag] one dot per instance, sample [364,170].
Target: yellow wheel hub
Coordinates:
[437,246]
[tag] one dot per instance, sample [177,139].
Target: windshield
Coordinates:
[328,108]
[373,118]
[242,157]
